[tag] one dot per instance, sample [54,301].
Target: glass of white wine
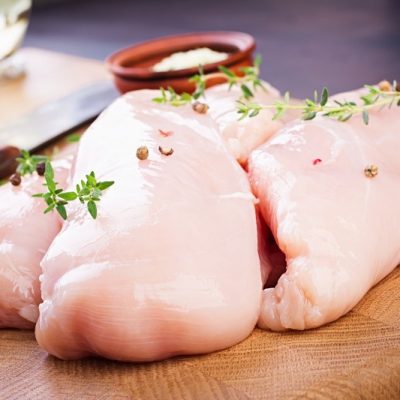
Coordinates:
[14,18]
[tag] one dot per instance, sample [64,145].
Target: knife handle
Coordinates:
[8,163]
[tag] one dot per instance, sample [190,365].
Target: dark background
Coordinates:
[305,44]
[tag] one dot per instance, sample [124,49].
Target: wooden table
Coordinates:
[357,357]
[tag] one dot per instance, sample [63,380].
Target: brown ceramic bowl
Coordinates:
[132,67]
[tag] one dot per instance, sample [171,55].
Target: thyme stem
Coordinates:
[87,192]
[329,108]
[341,111]
[248,83]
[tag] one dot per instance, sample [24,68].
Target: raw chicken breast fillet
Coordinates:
[243,136]
[338,229]
[25,235]
[170,265]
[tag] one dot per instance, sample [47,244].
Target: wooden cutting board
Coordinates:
[357,357]
[48,76]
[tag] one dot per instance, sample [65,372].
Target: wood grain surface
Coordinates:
[49,76]
[356,357]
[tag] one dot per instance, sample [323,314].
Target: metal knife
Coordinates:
[51,121]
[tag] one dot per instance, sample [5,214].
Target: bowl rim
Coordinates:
[246,48]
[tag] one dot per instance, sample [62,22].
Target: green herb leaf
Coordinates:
[286,97]
[88,192]
[27,163]
[365,116]
[73,138]
[92,208]
[339,110]
[68,196]
[247,93]
[257,61]
[250,79]
[309,115]
[105,185]
[62,211]
[49,208]
[49,171]
[227,71]
[324,96]
[344,117]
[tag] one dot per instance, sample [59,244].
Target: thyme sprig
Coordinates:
[90,191]
[28,163]
[340,110]
[87,192]
[55,197]
[169,96]
[248,81]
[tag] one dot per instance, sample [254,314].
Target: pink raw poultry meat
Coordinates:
[338,228]
[243,136]
[170,265]
[25,235]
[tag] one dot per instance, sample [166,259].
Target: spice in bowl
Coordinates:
[189,59]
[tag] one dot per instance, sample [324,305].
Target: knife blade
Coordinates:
[49,122]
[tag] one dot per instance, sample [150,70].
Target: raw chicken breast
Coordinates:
[243,136]
[338,229]
[25,235]
[170,265]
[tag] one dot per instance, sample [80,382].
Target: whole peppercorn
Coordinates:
[371,171]
[142,153]
[385,86]
[166,151]
[8,163]
[41,168]
[15,179]
[200,108]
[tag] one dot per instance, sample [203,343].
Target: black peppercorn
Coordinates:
[41,168]
[15,179]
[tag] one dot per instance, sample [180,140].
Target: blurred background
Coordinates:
[305,44]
